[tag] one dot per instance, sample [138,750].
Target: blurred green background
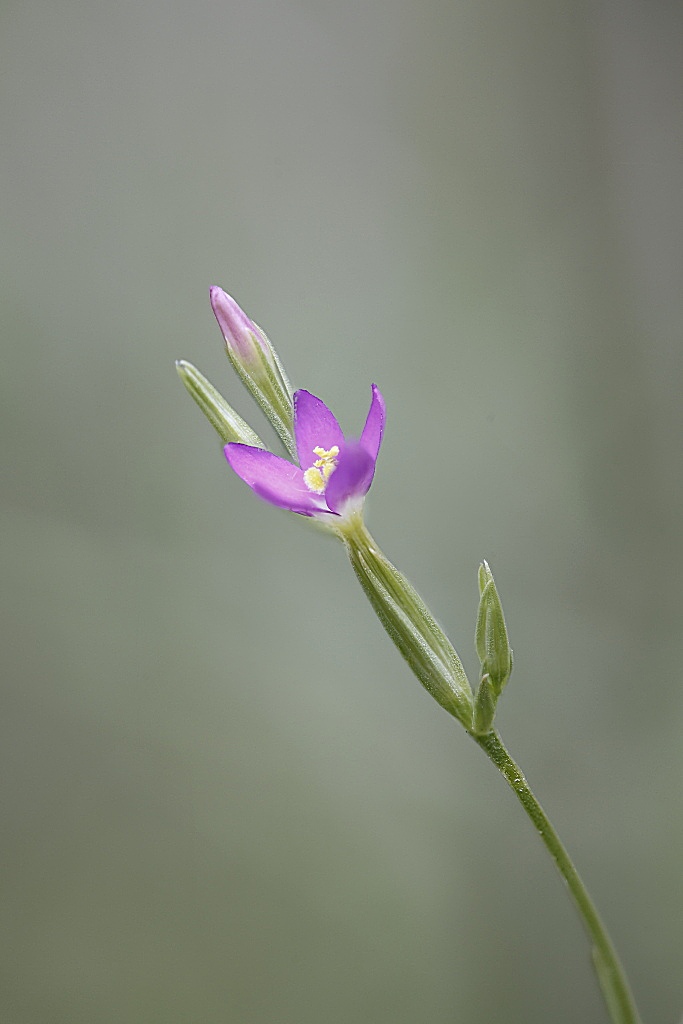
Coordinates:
[225,797]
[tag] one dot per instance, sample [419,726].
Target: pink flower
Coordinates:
[334,474]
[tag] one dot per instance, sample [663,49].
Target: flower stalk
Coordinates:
[611,975]
[432,658]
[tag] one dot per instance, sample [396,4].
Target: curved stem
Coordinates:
[610,973]
[432,658]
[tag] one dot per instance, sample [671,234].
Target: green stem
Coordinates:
[610,973]
[434,661]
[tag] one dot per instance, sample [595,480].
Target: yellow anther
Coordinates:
[319,473]
[313,479]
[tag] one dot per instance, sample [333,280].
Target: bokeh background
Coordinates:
[225,797]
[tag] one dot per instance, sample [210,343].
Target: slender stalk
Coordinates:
[613,982]
[434,661]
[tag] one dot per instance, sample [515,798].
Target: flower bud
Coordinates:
[244,340]
[256,363]
[225,421]
[491,638]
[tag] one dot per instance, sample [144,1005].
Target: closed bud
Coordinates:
[256,363]
[491,638]
[244,341]
[225,421]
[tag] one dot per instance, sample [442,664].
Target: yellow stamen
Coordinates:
[319,473]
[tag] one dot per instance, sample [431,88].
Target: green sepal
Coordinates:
[265,380]
[484,707]
[482,616]
[284,379]
[485,576]
[409,623]
[226,422]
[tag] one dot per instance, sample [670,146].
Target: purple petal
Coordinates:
[314,427]
[352,477]
[240,333]
[274,479]
[371,438]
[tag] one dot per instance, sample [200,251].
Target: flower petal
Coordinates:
[314,427]
[371,438]
[274,479]
[352,477]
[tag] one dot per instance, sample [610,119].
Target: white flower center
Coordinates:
[319,473]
